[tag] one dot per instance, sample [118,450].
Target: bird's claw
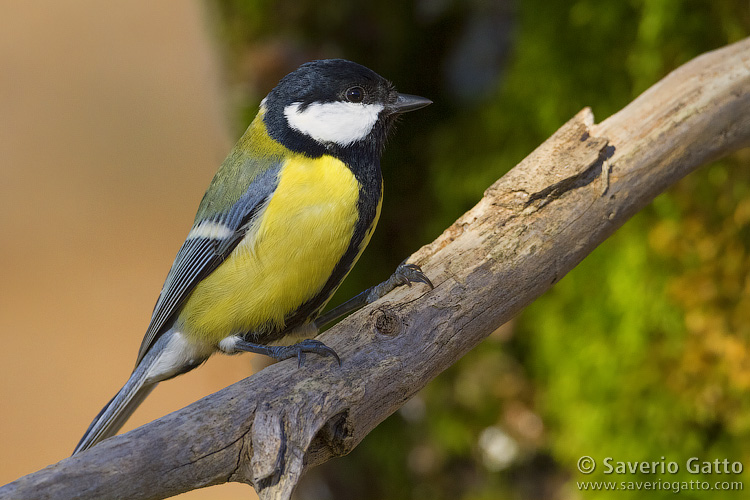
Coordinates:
[299,350]
[412,273]
[405,274]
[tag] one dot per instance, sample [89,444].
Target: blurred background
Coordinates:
[114,117]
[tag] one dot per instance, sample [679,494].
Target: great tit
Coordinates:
[282,223]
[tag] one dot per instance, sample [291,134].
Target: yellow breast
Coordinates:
[285,259]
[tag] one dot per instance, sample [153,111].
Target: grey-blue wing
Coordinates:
[201,254]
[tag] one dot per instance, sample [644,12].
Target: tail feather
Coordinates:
[114,415]
[170,356]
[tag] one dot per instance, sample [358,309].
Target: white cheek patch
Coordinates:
[343,123]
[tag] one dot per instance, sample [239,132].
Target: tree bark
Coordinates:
[531,227]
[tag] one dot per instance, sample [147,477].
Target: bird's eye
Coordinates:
[355,94]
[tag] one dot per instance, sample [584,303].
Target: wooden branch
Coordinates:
[532,227]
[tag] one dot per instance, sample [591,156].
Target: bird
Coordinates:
[282,223]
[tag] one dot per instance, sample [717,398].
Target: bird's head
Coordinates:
[333,105]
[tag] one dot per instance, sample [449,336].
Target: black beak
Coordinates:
[406,102]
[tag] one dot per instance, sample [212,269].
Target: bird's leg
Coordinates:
[405,274]
[282,352]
